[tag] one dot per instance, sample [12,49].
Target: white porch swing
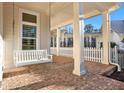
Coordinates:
[28,57]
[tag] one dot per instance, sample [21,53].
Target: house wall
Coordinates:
[1,20]
[45,34]
[98,40]
[121,35]
[12,38]
[97,36]
[115,37]
[8,34]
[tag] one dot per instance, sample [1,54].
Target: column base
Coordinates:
[79,73]
[105,62]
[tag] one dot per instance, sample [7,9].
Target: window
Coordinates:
[93,44]
[29,18]
[53,38]
[29,37]
[87,41]
[51,42]
[55,41]
[29,30]
[66,38]
[70,42]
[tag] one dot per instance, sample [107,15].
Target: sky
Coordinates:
[97,20]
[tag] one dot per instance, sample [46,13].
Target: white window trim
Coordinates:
[28,23]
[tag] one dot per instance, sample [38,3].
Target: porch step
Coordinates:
[15,71]
[110,70]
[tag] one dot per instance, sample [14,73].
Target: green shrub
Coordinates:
[122,40]
[113,44]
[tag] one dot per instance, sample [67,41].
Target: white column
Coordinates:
[1,41]
[78,46]
[106,35]
[58,41]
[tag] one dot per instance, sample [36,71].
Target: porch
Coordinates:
[24,35]
[58,75]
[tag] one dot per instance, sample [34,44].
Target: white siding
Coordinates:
[115,37]
[14,44]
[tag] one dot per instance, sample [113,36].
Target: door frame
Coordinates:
[37,14]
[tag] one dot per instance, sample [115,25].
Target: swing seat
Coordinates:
[28,57]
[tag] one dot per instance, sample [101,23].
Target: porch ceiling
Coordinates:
[63,12]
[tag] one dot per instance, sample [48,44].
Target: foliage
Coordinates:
[113,44]
[88,28]
[95,30]
[122,40]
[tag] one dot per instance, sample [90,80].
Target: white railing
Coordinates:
[93,54]
[114,55]
[117,56]
[24,57]
[63,51]
[66,52]
[90,54]
[53,51]
[121,60]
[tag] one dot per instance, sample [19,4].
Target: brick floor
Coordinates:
[58,75]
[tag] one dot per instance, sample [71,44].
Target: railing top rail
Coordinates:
[29,50]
